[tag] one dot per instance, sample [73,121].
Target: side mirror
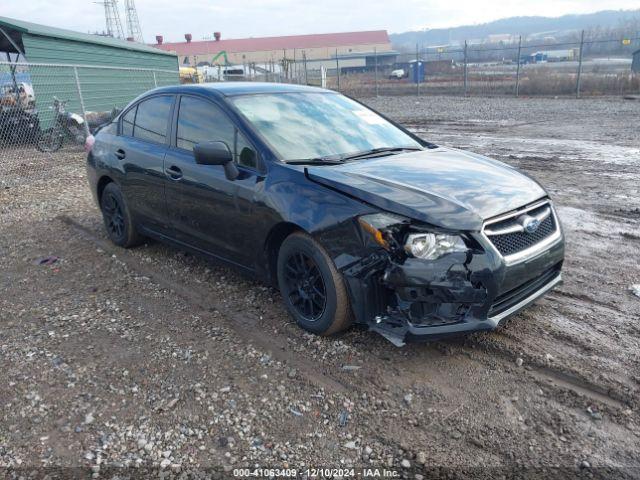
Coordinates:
[216,153]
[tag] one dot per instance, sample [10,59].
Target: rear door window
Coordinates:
[152,119]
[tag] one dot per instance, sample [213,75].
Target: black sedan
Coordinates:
[351,216]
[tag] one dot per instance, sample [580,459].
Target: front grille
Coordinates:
[515,242]
[514,296]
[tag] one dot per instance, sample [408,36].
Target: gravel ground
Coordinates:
[153,358]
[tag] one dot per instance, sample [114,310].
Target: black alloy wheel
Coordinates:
[305,286]
[313,290]
[117,219]
[113,216]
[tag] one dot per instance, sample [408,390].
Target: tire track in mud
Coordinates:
[583,297]
[502,346]
[577,385]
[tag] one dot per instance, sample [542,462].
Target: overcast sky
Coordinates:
[254,18]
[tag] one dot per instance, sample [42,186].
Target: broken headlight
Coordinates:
[384,228]
[395,234]
[431,246]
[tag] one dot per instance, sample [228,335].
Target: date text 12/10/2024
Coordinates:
[316,473]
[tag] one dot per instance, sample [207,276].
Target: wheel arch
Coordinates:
[102,183]
[273,242]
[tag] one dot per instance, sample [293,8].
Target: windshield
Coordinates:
[316,125]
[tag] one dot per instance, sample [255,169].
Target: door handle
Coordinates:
[174,172]
[120,153]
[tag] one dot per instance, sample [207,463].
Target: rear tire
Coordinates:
[313,290]
[49,140]
[117,218]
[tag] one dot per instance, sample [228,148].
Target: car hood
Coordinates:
[441,186]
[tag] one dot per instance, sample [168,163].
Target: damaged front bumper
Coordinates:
[455,294]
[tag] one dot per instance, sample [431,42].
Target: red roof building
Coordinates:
[267,49]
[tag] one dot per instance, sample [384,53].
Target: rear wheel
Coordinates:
[313,290]
[117,219]
[49,140]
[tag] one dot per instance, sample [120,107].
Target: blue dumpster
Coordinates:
[417,71]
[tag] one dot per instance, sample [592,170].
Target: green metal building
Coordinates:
[107,72]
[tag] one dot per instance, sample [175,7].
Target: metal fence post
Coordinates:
[338,69]
[518,67]
[580,65]
[417,70]
[306,73]
[12,67]
[84,113]
[465,68]
[375,68]
[155,80]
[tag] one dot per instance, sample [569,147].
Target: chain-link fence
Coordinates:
[579,67]
[48,110]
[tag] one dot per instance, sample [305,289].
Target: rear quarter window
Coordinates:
[127,122]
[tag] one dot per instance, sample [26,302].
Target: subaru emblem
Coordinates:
[530,224]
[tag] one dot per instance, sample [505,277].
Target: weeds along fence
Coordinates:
[47,110]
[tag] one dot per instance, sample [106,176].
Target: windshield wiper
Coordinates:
[375,151]
[316,161]
[337,159]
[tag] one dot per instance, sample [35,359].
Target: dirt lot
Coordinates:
[154,358]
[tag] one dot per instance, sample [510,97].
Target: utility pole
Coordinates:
[518,67]
[580,65]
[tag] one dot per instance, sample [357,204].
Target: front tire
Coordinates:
[117,218]
[313,290]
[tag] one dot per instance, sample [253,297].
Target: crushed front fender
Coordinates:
[406,298]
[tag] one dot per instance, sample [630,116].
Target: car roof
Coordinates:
[226,89]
